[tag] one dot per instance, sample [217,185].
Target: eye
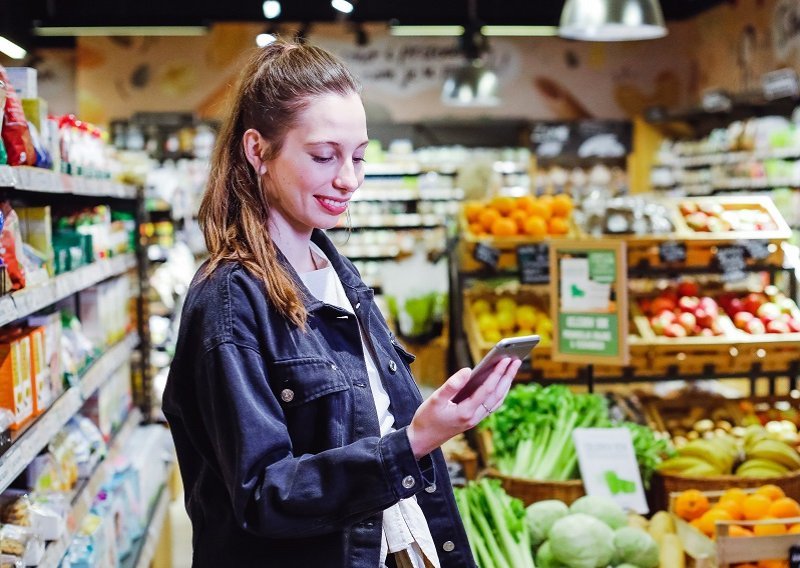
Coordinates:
[360,160]
[322,159]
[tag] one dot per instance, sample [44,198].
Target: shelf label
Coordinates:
[716,101]
[731,261]
[780,84]
[486,254]
[533,261]
[756,249]
[608,466]
[671,251]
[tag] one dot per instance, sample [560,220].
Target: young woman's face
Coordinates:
[320,165]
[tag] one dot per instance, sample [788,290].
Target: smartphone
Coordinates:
[514,347]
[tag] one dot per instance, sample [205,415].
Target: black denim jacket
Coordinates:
[277,435]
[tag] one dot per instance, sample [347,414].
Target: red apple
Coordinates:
[725,301]
[688,288]
[752,302]
[688,321]
[768,312]
[741,319]
[794,325]
[688,207]
[675,330]
[689,304]
[755,327]
[709,305]
[697,221]
[786,305]
[777,326]
[661,304]
[645,304]
[706,332]
[704,319]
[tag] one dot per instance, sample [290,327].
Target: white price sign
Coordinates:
[608,466]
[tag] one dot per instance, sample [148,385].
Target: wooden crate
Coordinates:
[731,550]
[665,413]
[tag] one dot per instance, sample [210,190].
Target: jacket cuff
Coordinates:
[406,475]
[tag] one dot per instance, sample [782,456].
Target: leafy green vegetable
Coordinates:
[636,547]
[545,558]
[649,448]
[582,541]
[602,508]
[540,517]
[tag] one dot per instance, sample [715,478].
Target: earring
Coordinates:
[263,169]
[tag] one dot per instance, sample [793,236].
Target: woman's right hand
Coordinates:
[438,418]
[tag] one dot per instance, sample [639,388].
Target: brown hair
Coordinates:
[274,88]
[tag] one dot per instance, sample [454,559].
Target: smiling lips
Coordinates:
[335,206]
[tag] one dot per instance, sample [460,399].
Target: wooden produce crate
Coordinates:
[732,550]
[676,416]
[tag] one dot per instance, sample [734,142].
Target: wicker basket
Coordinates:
[531,490]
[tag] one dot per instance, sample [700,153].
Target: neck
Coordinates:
[295,246]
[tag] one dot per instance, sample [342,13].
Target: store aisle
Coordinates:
[181,534]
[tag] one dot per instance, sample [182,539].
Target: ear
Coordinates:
[254,147]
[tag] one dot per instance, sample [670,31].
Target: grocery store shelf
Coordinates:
[145,547]
[712,159]
[404,194]
[404,221]
[27,178]
[84,497]
[30,300]
[31,441]
[391,170]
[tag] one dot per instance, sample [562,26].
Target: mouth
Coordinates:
[335,206]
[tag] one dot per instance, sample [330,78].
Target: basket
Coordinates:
[529,490]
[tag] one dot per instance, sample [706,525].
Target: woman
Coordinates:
[301,437]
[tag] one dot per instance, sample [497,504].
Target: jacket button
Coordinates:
[448,546]
[358,305]
[287,395]
[408,482]
[431,488]
[334,367]
[392,366]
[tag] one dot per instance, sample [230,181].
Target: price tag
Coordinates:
[608,466]
[8,311]
[533,261]
[731,260]
[756,249]
[486,254]
[780,84]
[671,251]
[716,101]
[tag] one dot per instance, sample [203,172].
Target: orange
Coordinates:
[756,507]
[525,203]
[794,529]
[536,227]
[541,208]
[562,205]
[769,529]
[734,494]
[557,226]
[519,217]
[784,508]
[733,508]
[737,531]
[504,227]
[472,209]
[773,563]
[709,519]
[696,524]
[771,491]
[476,229]
[487,218]
[745,565]
[691,504]
[503,204]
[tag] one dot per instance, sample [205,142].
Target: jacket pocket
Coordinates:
[300,381]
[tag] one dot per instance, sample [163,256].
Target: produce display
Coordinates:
[680,311]
[630,215]
[757,313]
[534,217]
[711,216]
[508,318]
[750,452]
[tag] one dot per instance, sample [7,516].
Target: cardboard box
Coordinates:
[52,347]
[25,81]
[37,230]
[40,372]
[16,391]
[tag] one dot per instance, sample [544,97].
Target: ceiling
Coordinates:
[17,17]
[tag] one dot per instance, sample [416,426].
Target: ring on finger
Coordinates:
[486,408]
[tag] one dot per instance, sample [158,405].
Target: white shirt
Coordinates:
[404,524]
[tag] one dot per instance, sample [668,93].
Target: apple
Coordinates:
[794,325]
[704,319]
[768,312]
[786,305]
[752,302]
[741,319]
[706,332]
[688,288]
[675,330]
[645,304]
[717,225]
[697,221]
[688,321]
[661,304]
[755,327]
[688,207]
[709,305]
[777,326]
[737,305]
[689,304]
[711,208]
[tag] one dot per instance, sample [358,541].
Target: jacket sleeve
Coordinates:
[274,493]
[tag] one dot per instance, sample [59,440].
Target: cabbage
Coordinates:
[541,515]
[626,565]
[636,547]
[603,508]
[581,541]
[544,557]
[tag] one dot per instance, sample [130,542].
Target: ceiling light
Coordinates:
[120,30]
[11,49]
[342,5]
[519,31]
[423,31]
[471,85]
[263,40]
[612,20]
[271,8]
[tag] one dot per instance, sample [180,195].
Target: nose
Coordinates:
[348,178]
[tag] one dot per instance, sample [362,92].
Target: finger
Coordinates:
[490,384]
[454,384]
[505,385]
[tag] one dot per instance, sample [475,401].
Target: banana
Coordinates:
[775,451]
[757,467]
[709,452]
[702,469]
[681,463]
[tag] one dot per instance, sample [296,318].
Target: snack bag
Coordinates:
[16,136]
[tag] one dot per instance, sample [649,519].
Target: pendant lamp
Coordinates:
[612,20]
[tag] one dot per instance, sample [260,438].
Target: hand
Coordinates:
[438,418]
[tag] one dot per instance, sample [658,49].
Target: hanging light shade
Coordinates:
[472,84]
[612,20]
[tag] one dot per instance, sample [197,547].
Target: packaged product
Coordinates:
[15,133]
[11,246]
[11,561]
[43,519]
[21,541]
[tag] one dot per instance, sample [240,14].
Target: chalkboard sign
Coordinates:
[756,249]
[585,139]
[533,261]
[779,84]
[716,101]
[730,260]
[486,254]
[670,251]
